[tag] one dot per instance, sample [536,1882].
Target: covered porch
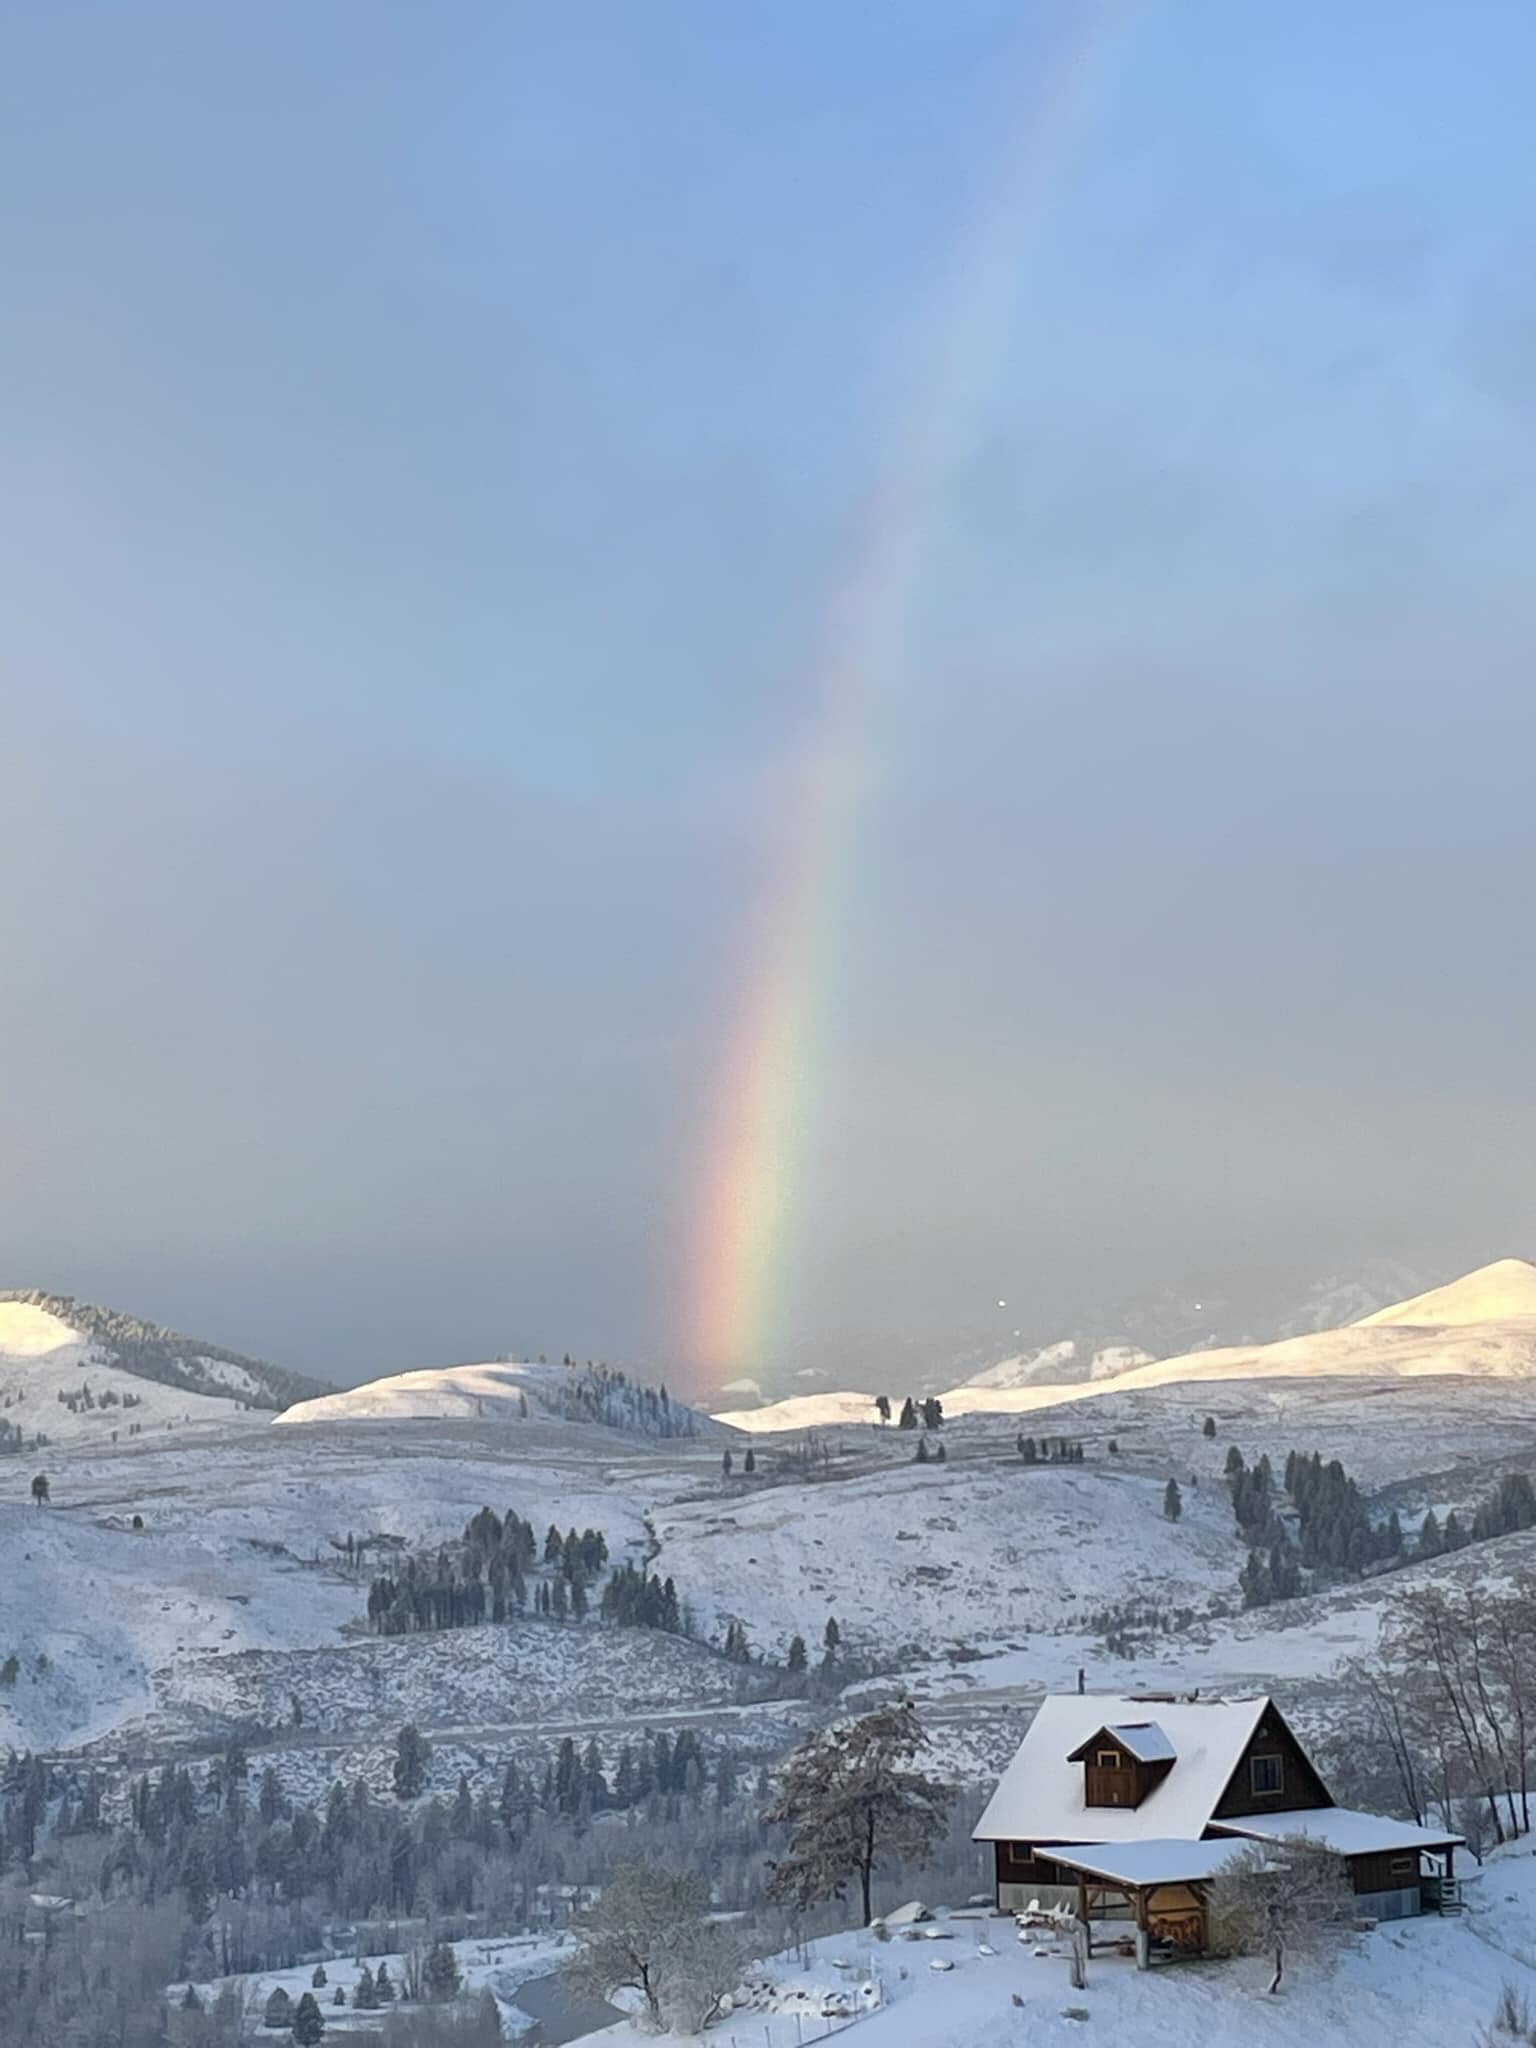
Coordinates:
[1163,1884]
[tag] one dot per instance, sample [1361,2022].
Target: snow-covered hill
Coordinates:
[62,1381]
[1499,1293]
[508,1392]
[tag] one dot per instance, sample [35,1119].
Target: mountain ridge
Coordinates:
[1447,1330]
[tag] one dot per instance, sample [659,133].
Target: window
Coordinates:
[1266,1773]
[1405,1866]
[1107,1759]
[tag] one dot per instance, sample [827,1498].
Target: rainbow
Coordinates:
[738,1245]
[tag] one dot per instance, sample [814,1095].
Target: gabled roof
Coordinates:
[1342,1829]
[1144,1740]
[1040,1797]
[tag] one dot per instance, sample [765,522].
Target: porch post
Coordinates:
[1143,1936]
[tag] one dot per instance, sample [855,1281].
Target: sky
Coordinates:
[435,443]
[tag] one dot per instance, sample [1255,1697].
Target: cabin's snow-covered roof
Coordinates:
[1163,1860]
[1040,1797]
[1342,1829]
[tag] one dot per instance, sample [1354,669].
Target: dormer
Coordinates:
[1123,1762]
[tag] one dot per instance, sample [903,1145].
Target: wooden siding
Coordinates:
[1125,1781]
[1299,1783]
[1394,1870]
[1022,1863]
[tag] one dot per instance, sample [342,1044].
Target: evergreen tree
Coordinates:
[883,1407]
[384,1985]
[922,1450]
[1173,1501]
[1208,1427]
[941,1455]
[908,1417]
[725,1462]
[795,1660]
[278,2011]
[852,1800]
[308,2022]
[413,1753]
[832,1642]
[440,1973]
[749,1462]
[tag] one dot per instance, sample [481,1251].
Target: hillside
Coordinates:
[509,1392]
[151,1351]
[69,1370]
[1497,1293]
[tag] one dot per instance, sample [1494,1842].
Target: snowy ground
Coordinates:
[977,1583]
[1416,1984]
[500,1965]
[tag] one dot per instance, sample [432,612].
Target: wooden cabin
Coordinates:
[1130,1805]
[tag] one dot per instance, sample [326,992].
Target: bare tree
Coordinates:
[650,1933]
[851,1802]
[1282,1899]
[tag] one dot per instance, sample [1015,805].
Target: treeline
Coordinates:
[226,1874]
[485,1577]
[601,1393]
[1335,1536]
[1451,1700]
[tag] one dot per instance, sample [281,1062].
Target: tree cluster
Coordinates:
[1452,1698]
[485,1577]
[930,1413]
[1053,1450]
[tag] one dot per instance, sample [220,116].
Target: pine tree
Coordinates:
[908,1417]
[1173,1501]
[440,1973]
[922,1450]
[725,1462]
[795,1660]
[883,1407]
[384,1984]
[413,1753]
[941,1456]
[749,1462]
[852,1800]
[308,2022]
[831,1641]
[278,2010]
[1208,1427]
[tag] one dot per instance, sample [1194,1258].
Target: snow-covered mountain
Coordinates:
[1482,1324]
[70,1369]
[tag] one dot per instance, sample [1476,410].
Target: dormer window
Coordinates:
[1122,1764]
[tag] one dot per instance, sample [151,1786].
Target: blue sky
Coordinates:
[434,438]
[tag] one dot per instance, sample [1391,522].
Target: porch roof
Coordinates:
[1161,1859]
[1343,1829]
